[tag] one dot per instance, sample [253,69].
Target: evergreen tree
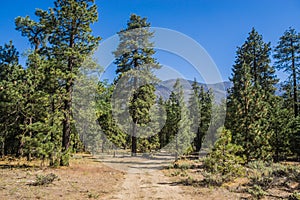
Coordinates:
[249,99]
[200,105]
[224,158]
[69,42]
[109,127]
[134,58]
[294,136]
[217,121]
[162,135]
[179,127]
[280,139]
[256,53]
[287,54]
[246,115]
[11,79]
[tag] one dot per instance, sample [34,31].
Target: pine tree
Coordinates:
[69,42]
[180,123]
[224,158]
[249,98]
[112,135]
[162,135]
[135,62]
[287,54]
[217,121]
[256,53]
[280,140]
[11,79]
[200,105]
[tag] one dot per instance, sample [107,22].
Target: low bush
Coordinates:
[44,179]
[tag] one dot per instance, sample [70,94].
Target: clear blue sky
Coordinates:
[218,25]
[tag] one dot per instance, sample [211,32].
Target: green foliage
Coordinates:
[218,113]
[280,122]
[180,135]
[287,54]
[63,36]
[257,192]
[249,100]
[224,159]
[295,196]
[200,107]
[11,100]
[107,123]
[135,64]
[44,179]
[294,130]
[264,176]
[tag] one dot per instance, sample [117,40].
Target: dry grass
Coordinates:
[189,174]
[86,178]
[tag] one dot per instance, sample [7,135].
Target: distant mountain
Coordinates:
[219,89]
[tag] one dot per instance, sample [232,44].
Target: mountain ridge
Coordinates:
[164,88]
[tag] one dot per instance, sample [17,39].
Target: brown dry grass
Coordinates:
[86,178]
[190,178]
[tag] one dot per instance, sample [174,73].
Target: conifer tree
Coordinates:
[280,138]
[200,105]
[134,58]
[162,135]
[69,42]
[11,79]
[180,122]
[287,54]
[217,121]
[225,157]
[248,102]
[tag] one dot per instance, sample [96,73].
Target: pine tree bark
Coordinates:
[68,106]
[134,140]
[294,83]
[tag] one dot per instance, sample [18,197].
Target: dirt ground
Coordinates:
[109,177]
[86,178]
[146,178]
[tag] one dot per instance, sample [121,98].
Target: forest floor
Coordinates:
[113,178]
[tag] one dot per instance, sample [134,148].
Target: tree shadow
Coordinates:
[17,166]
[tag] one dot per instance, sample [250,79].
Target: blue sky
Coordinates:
[218,25]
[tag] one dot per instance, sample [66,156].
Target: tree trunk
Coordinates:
[51,156]
[176,147]
[66,127]
[2,148]
[133,140]
[30,135]
[68,105]
[294,85]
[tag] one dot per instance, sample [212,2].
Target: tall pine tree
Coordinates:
[67,27]
[287,54]
[200,106]
[248,101]
[134,58]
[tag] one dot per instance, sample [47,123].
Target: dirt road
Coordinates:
[144,179]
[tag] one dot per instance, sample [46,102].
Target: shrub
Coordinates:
[261,174]
[44,179]
[257,192]
[295,196]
